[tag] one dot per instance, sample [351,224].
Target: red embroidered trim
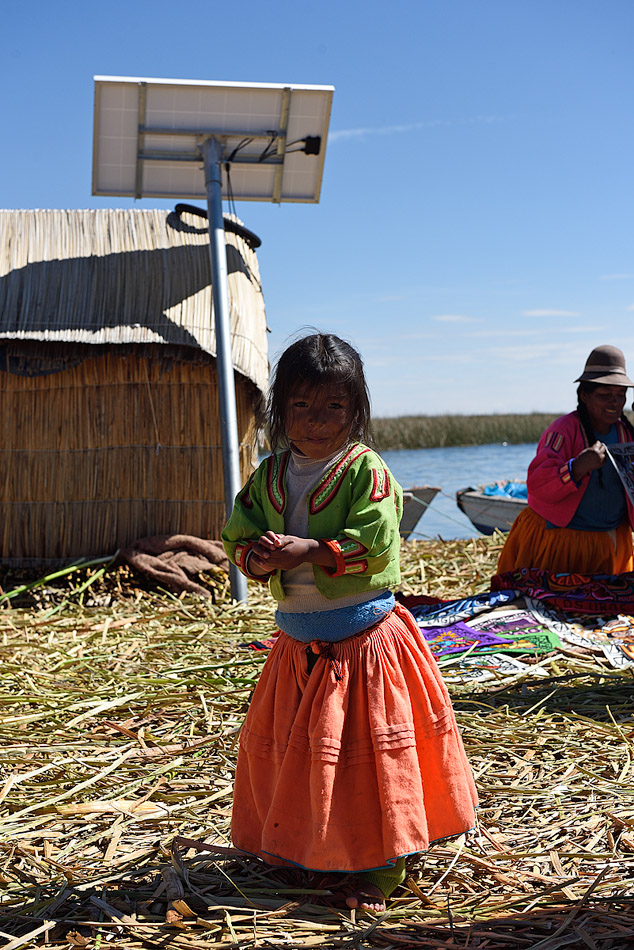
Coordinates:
[240,554]
[564,474]
[328,488]
[351,549]
[356,567]
[245,495]
[343,565]
[275,472]
[381,487]
[340,563]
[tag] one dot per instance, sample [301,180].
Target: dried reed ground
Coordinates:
[120,708]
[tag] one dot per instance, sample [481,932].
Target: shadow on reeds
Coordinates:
[157,906]
[603,698]
[122,291]
[602,925]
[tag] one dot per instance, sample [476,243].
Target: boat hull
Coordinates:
[489,513]
[416,501]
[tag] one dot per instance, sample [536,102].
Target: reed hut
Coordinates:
[108,385]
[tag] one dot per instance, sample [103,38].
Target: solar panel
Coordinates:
[148,132]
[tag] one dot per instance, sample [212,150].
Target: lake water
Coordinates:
[452,469]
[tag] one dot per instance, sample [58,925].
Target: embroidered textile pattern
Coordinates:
[275,479]
[328,488]
[592,593]
[381,488]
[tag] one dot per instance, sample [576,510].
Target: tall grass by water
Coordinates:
[419,432]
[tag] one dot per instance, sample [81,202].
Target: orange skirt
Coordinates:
[563,550]
[357,763]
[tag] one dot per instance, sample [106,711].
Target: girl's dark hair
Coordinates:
[586,387]
[315,361]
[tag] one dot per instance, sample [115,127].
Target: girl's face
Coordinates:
[605,405]
[318,421]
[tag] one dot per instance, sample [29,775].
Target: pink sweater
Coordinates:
[552,493]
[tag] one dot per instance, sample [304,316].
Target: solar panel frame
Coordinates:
[147,135]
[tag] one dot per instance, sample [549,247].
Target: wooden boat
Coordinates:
[489,512]
[416,500]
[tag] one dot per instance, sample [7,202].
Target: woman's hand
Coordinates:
[589,460]
[285,551]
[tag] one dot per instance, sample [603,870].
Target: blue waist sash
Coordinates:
[334,625]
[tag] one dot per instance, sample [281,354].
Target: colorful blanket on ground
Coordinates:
[434,613]
[500,632]
[611,636]
[525,633]
[530,613]
[584,593]
[473,638]
[459,637]
[483,667]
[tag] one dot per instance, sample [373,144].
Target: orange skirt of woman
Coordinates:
[531,543]
[355,763]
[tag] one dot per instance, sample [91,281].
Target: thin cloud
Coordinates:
[394,338]
[454,318]
[531,331]
[365,132]
[544,356]
[455,358]
[550,313]
[538,353]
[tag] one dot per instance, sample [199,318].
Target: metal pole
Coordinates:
[212,154]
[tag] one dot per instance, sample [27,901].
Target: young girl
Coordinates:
[579,519]
[350,758]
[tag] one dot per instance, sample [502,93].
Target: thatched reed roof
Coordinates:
[117,277]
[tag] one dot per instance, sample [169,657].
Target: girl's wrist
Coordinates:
[319,553]
[254,569]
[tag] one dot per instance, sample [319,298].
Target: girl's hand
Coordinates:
[259,555]
[271,540]
[591,459]
[285,551]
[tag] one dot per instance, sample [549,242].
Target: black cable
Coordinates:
[230,197]
[250,237]
[311,145]
[269,147]
[238,147]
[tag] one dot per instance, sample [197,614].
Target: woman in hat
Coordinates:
[579,518]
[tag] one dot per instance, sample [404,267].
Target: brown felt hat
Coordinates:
[606,365]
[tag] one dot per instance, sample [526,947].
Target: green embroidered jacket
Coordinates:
[356,508]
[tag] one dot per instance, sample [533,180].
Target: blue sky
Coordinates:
[474,236]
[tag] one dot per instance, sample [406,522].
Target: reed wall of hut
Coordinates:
[108,385]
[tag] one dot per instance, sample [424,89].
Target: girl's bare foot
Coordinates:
[365,896]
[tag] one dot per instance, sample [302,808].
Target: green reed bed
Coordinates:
[119,718]
[416,432]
